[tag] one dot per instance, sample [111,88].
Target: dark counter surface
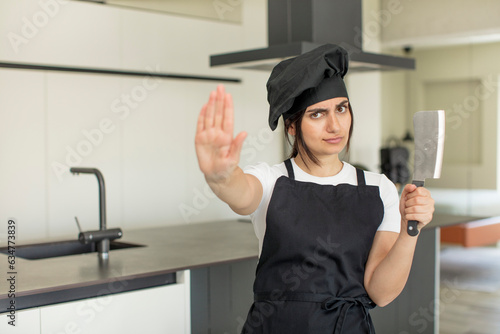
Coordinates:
[168,250]
[442,220]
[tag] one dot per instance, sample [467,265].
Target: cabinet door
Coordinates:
[25,321]
[154,310]
[221,296]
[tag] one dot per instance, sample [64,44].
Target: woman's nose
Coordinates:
[332,124]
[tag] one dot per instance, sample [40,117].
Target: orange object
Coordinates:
[477,233]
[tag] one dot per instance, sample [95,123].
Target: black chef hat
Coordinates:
[312,77]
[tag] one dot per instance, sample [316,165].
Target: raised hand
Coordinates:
[217,151]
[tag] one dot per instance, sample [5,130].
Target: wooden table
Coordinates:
[476,233]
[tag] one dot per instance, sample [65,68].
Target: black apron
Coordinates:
[309,278]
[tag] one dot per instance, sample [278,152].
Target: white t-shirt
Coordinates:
[268,175]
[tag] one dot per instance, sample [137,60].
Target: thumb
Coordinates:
[408,189]
[236,145]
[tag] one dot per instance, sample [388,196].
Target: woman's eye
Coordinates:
[316,115]
[342,109]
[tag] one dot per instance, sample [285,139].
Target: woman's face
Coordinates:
[325,126]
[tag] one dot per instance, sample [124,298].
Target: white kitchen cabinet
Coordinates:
[23,178]
[163,309]
[26,322]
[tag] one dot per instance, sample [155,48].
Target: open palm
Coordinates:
[217,151]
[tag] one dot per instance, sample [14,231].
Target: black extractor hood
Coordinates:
[298,26]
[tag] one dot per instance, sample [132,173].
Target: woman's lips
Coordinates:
[335,140]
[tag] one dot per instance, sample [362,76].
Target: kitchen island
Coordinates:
[166,250]
[209,260]
[165,260]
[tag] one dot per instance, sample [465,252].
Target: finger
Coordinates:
[425,207]
[420,191]
[407,190]
[420,209]
[219,106]
[236,146]
[209,114]
[228,124]
[201,119]
[423,218]
[419,196]
[420,201]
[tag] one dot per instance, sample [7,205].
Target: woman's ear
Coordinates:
[291,130]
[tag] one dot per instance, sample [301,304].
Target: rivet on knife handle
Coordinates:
[412,228]
[412,224]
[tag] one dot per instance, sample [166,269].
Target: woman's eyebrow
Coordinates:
[317,110]
[342,103]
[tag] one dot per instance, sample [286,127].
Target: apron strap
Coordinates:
[345,304]
[359,173]
[328,303]
[361,177]
[289,168]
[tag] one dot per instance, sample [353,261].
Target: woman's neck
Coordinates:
[328,166]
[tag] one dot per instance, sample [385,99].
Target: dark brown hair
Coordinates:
[296,120]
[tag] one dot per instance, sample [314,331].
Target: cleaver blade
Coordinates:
[429,133]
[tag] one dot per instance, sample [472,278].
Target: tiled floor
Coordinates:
[470,312]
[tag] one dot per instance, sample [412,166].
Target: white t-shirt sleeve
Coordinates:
[265,174]
[390,198]
[262,172]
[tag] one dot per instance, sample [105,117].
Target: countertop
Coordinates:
[442,220]
[168,250]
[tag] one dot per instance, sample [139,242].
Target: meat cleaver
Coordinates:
[429,145]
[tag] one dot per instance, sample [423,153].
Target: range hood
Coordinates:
[298,26]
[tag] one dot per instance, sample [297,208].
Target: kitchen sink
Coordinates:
[61,248]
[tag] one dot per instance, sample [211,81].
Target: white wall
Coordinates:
[451,40]
[145,148]
[462,188]
[365,97]
[365,100]
[138,131]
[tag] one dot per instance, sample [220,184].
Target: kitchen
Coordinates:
[139,129]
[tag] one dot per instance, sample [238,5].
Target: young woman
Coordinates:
[329,234]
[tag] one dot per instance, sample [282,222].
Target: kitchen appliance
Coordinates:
[394,162]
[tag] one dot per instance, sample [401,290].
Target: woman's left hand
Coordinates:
[416,204]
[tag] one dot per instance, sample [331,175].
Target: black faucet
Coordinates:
[102,236]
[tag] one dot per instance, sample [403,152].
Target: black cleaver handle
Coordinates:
[412,224]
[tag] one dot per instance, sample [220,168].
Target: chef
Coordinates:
[329,233]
